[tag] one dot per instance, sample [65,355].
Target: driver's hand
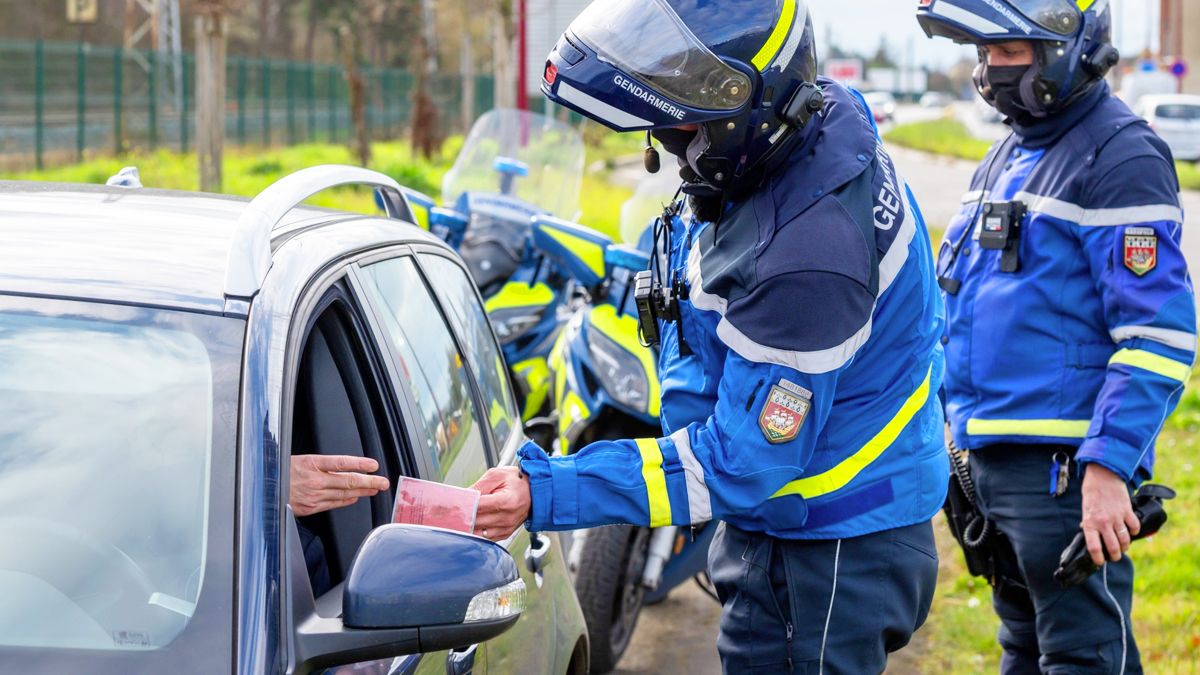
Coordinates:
[504,503]
[324,482]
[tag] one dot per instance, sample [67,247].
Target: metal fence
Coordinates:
[60,101]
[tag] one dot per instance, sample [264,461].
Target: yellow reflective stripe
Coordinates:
[588,252]
[771,49]
[1084,5]
[840,476]
[1057,428]
[571,410]
[656,482]
[624,331]
[519,294]
[1155,363]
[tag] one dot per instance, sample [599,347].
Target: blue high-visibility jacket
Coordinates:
[807,406]
[1090,342]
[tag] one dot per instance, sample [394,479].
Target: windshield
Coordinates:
[525,155]
[651,196]
[106,454]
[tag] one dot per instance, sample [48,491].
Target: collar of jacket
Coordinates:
[831,155]
[1047,131]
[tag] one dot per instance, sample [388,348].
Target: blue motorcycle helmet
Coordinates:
[1072,44]
[742,71]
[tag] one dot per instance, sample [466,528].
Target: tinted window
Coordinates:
[1177,111]
[106,452]
[433,369]
[458,295]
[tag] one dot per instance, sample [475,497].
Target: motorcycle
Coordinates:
[513,166]
[606,387]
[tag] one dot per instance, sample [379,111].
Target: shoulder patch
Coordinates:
[1141,250]
[784,411]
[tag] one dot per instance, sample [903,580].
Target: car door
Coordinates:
[446,358]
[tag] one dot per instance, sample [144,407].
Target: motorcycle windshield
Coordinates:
[654,193]
[520,154]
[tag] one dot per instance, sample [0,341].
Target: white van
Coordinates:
[1176,119]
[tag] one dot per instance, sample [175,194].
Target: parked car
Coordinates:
[1176,119]
[882,104]
[935,99]
[164,356]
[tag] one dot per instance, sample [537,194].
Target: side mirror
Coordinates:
[410,589]
[578,250]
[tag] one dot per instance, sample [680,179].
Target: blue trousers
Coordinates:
[1046,628]
[836,607]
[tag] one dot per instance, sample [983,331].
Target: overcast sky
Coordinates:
[858,25]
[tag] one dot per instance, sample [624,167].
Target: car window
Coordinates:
[116,435]
[458,295]
[1177,111]
[338,409]
[432,368]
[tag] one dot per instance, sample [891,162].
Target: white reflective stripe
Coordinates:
[1177,339]
[1073,213]
[699,501]
[968,19]
[893,261]
[784,57]
[813,362]
[974,196]
[599,108]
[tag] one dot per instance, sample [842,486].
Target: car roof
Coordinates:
[142,246]
[1168,99]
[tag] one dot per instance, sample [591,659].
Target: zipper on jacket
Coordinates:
[753,395]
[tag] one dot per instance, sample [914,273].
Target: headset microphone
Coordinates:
[651,159]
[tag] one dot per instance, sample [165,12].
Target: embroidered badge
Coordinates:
[783,414]
[1141,249]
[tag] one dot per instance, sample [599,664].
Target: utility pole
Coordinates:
[210,92]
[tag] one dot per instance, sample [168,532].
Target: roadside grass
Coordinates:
[248,171]
[950,137]
[941,137]
[960,634]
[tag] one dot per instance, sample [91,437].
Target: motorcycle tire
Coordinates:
[609,586]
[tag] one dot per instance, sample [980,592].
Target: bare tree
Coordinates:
[210,92]
[503,56]
[361,144]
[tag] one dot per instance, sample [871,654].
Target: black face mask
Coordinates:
[1005,85]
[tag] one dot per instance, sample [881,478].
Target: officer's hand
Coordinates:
[504,503]
[1107,513]
[324,482]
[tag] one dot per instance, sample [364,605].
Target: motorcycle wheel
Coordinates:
[609,586]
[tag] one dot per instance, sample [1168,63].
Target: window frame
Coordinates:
[492,450]
[517,431]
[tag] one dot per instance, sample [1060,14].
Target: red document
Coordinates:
[421,502]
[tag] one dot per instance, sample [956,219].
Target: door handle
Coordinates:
[461,661]
[538,553]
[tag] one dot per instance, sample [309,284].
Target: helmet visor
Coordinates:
[648,40]
[1057,16]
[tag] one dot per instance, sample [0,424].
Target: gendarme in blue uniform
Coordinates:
[808,407]
[1090,343]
